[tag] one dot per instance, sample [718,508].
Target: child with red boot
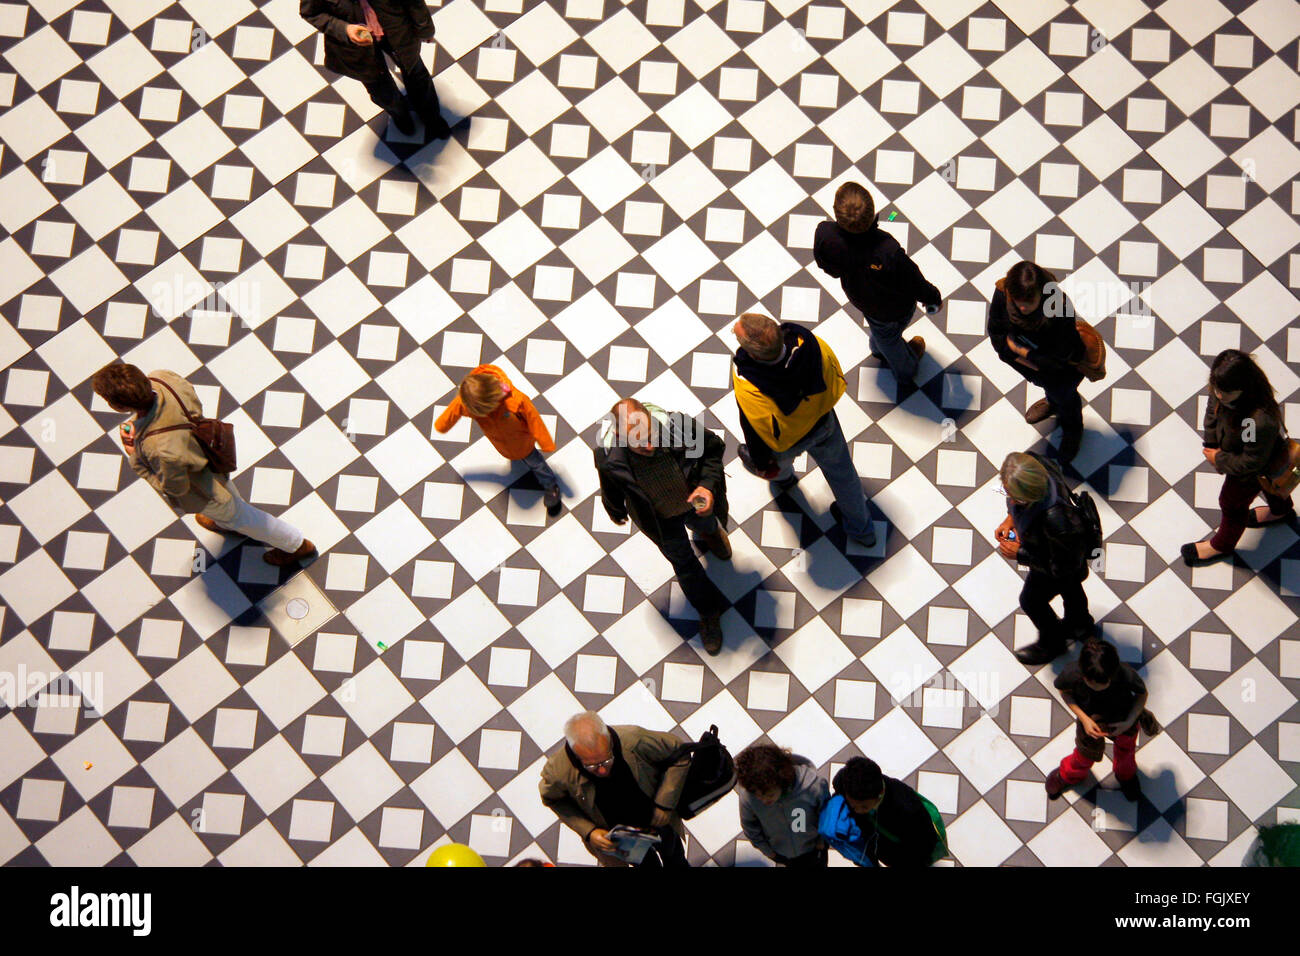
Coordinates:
[1109,700]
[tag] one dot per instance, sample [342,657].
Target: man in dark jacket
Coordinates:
[664,470]
[878,277]
[1042,534]
[787,382]
[896,826]
[358,33]
[1032,327]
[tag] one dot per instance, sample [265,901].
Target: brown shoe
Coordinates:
[718,544]
[279,558]
[1039,411]
[917,345]
[207,524]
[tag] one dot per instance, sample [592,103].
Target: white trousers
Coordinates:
[242,518]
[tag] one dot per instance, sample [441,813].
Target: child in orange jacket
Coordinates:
[509,421]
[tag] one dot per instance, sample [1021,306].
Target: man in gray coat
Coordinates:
[781,799]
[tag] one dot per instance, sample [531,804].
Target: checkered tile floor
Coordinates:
[182,185]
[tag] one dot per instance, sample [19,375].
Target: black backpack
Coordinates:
[711,777]
[1084,512]
[1079,507]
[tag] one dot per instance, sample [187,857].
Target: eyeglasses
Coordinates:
[1002,491]
[603,765]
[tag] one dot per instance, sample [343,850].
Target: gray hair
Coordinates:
[760,336]
[583,728]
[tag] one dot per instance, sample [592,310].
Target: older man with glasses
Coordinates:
[616,776]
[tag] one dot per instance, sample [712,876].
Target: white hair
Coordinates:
[584,727]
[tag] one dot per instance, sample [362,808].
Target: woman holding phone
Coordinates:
[1032,328]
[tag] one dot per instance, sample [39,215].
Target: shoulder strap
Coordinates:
[188,414]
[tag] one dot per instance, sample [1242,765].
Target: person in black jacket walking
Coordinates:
[895,824]
[358,33]
[1244,435]
[878,277]
[1032,328]
[664,470]
[1040,533]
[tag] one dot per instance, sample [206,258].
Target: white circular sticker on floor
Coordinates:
[297,608]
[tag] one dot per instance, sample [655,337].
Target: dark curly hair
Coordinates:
[763,767]
[1099,660]
[859,779]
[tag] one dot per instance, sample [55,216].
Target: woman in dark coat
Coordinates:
[1032,328]
[358,33]
[1039,534]
[1244,435]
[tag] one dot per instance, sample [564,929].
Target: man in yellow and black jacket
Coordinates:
[787,382]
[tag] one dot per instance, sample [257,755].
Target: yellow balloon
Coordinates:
[454,854]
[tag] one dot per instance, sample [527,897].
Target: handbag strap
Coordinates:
[194,419]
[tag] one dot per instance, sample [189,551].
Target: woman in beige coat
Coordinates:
[169,459]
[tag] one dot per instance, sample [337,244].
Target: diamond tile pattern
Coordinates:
[626,179]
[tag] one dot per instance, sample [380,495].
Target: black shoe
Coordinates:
[711,634]
[1055,785]
[1193,560]
[436,129]
[867,540]
[1039,653]
[1070,442]
[747,460]
[552,500]
[1081,631]
[404,122]
[1131,789]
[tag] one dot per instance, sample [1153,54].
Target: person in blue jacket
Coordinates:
[873,819]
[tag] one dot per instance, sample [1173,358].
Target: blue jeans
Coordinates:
[886,340]
[541,470]
[826,445]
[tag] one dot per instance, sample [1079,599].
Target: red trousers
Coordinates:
[1088,750]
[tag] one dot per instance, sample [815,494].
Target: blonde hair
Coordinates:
[1024,477]
[480,393]
[760,336]
[855,210]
